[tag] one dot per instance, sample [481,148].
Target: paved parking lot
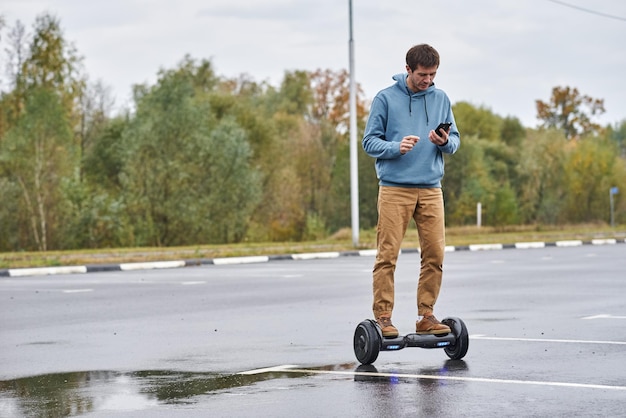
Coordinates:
[547,338]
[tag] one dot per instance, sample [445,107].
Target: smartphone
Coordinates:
[445,126]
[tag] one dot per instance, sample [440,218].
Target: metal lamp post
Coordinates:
[354,170]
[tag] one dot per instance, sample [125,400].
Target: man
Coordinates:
[409,164]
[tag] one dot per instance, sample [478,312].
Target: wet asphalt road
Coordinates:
[547,338]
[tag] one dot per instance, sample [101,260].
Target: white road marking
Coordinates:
[485,247]
[193,283]
[240,260]
[314,256]
[77,290]
[609,241]
[270,369]
[569,243]
[527,245]
[547,340]
[292,369]
[44,271]
[604,316]
[152,265]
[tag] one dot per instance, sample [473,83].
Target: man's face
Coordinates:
[421,78]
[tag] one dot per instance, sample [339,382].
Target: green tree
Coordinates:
[512,132]
[38,154]
[477,121]
[186,177]
[368,188]
[12,236]
[53,63]
[589,175]
[296,94]
[617,134]
[98,217]
[467,182]
[42,60]
[94,105]
[259,110]
[104,159]
[331,112]
[12,97]
[542,190]
[44,82]
[504,211]
[485,168]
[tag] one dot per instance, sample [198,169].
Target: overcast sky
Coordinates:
[503,55]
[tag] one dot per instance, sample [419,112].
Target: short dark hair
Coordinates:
[422,54]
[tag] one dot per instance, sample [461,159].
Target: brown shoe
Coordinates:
[430,325]
[389,331]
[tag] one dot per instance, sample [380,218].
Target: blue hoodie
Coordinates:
[397,112]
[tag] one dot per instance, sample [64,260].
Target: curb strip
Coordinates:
[94,268]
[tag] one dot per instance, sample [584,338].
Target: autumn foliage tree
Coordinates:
[570,111]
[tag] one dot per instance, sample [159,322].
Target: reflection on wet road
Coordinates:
[72,394]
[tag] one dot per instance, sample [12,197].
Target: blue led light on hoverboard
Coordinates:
[393,347]
[443,344]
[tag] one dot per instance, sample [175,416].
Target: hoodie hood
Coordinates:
[400,80]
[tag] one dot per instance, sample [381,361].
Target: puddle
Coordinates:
[77,393]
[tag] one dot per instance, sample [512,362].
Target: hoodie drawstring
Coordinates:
[411,106]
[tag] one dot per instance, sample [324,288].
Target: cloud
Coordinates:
[504,55]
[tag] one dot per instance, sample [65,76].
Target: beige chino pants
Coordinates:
[396,207]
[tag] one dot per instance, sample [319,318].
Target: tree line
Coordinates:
[200,158]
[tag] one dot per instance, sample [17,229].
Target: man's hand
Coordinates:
[407,143]
[439,140]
